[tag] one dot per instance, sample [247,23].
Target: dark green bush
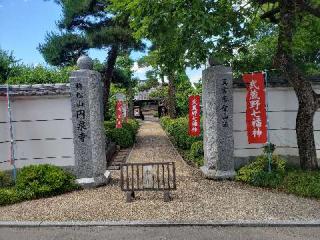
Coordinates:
[125,136]
[45,180]
[196,153]
[178,130]
[256,173]
[121,137]
[303,183]
[9,196]
[134,124]
[108,125]
[5,180]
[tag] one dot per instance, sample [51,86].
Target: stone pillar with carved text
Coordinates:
[88,129]
[217,101]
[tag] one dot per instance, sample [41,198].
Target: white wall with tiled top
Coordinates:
[283,106]
[42,129]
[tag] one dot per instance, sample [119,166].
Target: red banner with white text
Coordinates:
[194,115]
[119,114]
[256,116]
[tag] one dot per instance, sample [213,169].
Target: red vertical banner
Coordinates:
[256,116]
[194,115]
[119,114]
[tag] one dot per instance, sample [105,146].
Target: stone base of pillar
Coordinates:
[96,181]
[217,174]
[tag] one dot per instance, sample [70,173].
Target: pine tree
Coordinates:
[89,24]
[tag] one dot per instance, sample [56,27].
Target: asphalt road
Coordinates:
[128,233]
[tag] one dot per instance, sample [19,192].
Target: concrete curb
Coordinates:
[240,223]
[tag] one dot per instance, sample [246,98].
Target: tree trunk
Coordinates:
[172,96]
[307,98]
[107,75]
[305,136]
[130,102]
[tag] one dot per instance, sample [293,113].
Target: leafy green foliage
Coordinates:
[166,122]
[7,65]
[121,136]
[184,89]
[63,50]
[256,173]
[149,83]
[303,183]
[9,196]
[260,53]
[5,180]
[40,75]
[295,181]
[86,24]
[178,130]
[195,28]
[43,181]
[196,153]
[259,56]
[14,73]
[125,136]
[134,125]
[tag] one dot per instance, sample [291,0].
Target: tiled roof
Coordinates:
[276,81]
[36,89]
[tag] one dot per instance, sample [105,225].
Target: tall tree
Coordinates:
[8,65]
[185,32]
[289,15]
[89,24]
[123,77]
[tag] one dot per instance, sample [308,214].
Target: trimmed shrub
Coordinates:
[108,125]
[45,180]
[125,136]
[165,122]
[9,196]
[196,153]
[178,130]
[303,183]
[134,124]
[5,180]
[256,173]
[121,136]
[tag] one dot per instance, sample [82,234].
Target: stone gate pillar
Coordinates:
[88,129]
[217,101]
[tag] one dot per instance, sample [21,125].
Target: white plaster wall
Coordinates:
[282,113]
[42,130]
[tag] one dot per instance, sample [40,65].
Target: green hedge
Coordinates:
[125,136]
[295,181]
[44,181]
[10,196]
[256,173]
[196,154]
[5,180]
[37,181]
[302,183]
[178,130]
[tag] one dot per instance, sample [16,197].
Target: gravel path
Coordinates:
[195,199]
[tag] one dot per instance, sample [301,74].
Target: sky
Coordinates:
[24,24]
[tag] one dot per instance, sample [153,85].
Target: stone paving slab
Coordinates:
[196,198]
